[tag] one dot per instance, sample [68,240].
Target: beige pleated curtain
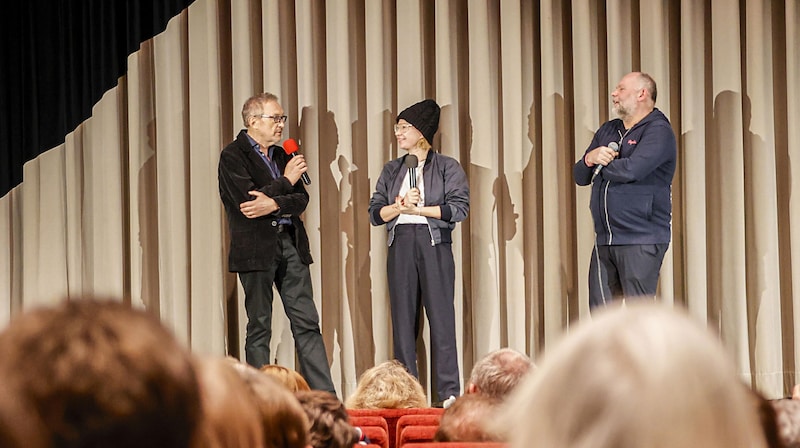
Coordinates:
[128,206]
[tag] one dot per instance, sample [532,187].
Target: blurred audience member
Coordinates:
[230,413]
[283,419]
[292,379]
[642,375]
[329,424]
[469,419]
[787,420]
[100,374]
[500,371]
[19,424]
[387,386]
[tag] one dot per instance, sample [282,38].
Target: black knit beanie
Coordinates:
[424,116]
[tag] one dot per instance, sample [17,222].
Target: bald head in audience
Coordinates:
[500,371]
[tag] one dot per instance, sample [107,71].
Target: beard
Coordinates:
[621,110]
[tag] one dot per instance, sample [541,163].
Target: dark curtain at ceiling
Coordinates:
[57,58]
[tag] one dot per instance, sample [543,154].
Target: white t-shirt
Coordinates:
[413,219]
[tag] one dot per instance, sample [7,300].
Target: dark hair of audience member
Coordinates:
[230,413]
[387,385]
[639,375]
[469,419]
[292,379]
[98,373]
[283,419]
[329,424]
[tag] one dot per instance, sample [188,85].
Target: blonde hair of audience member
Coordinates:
[500,371]
[292,379]
[329,424]
[230,413]
[98,373]
[388,385]
[638,376]
[283,419]
[469,419]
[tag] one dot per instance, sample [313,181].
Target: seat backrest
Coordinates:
[392,416]
[416,420]
[415,434]
[457,445]
[376,435]
[369,420]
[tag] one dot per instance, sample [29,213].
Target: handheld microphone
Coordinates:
[290,147]
[411,163]
[614,147]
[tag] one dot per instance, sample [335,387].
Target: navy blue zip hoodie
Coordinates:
[631,199]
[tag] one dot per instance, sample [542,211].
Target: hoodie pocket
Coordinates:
[629,211]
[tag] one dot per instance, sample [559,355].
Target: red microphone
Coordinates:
[290,147]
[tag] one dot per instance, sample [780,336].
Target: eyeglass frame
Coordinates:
[275,118]
[402,128]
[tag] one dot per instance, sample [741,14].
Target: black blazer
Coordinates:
[253,241]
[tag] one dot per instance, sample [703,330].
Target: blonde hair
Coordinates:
[292,379]
[388,385]
[423,144]
[639,376]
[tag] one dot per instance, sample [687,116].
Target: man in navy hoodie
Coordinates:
[630,164]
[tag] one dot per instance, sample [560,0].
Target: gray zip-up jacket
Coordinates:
[445,183]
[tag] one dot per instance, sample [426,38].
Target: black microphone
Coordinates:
[411,163]
[614,147]
[290,147]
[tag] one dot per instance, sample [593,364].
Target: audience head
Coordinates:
[497,373]
[469,419]
[292,379]
[230,413]
[19,424]
[387,386]
[283,420]
[641,375]
[329,425]
[786,418]
[98,373]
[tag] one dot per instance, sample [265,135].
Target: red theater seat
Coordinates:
[415,434]
[457,445]
[392,416]
[416,420]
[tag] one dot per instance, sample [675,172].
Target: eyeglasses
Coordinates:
[402,127]
[275,118]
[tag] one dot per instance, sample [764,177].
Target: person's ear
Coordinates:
[472,389]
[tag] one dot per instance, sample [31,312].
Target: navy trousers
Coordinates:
[421,274]
[628,271]
[292,279]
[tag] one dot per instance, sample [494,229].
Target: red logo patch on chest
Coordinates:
[631,142]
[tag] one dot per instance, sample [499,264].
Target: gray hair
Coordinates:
[497,373]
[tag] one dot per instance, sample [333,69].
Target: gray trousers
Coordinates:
[421,274]
[292,279]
